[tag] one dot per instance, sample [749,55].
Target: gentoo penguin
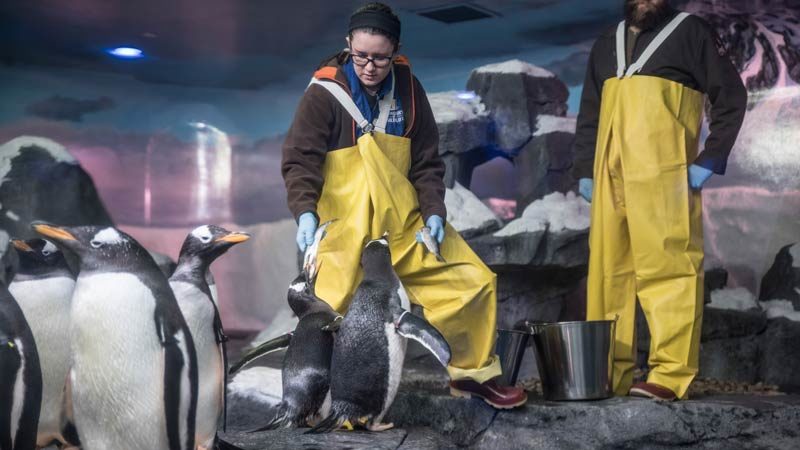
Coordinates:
[370,345]
[306,365]
[43,288]
[133,377]
[302,301]
[305,375]
[20,373]
[200,248]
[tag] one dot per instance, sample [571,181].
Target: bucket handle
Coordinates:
[534,327]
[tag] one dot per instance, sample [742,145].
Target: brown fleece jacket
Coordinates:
[321,125]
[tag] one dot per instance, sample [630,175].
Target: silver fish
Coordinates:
[310,265]
[430,243]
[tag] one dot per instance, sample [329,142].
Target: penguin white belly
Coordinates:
[117,373]
[46,305]
[19,392]
[199,315]
[396,351]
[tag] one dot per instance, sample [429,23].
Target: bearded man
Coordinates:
[637,161]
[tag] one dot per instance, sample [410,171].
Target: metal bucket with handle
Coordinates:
[510,348]
[575,359]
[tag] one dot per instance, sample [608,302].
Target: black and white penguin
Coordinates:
[133,379]
[20,373]
[370,345]
[43,288]
[199,307]
[305,375]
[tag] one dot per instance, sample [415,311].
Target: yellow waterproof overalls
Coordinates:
[367,189]
[646,236]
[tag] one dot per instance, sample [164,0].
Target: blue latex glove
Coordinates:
[698,176]
[306,226]
[585,188]
[436,224]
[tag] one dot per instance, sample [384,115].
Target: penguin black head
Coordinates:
[299,295]
[376,258]
[97,247]
[40,258]
[208,242]
[302,299]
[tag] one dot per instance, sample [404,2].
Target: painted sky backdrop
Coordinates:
[243,67]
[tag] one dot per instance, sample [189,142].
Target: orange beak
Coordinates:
[54,232]
[21,245]
[234,237]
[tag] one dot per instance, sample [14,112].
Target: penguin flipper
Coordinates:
[223,349]
[180,366]
[10,364]
[270,346]
[414,327]
[222,344]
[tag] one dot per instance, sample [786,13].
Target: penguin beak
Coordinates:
[54,232]
[234,237]
[21,246]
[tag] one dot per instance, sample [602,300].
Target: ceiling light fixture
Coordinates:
[457,13]
[126,52]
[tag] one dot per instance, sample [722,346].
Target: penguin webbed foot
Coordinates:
[380,426]
[330,423]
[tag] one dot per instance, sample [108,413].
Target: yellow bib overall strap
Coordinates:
[646,237]
[384,105]
[367,189]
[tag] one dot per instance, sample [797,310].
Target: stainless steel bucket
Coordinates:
[510,348]
[575,359]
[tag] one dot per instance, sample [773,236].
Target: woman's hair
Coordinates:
[378,8]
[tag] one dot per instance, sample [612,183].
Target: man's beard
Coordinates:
[646,18]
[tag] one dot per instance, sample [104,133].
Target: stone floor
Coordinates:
[426,417]
[433,420]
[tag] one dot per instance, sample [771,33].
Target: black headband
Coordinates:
[378,20]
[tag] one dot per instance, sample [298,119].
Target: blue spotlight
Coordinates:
[126,52]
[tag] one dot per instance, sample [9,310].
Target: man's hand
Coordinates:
[306,226]
[585,188]
[698,176]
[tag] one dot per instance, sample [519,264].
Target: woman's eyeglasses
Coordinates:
[362,60]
